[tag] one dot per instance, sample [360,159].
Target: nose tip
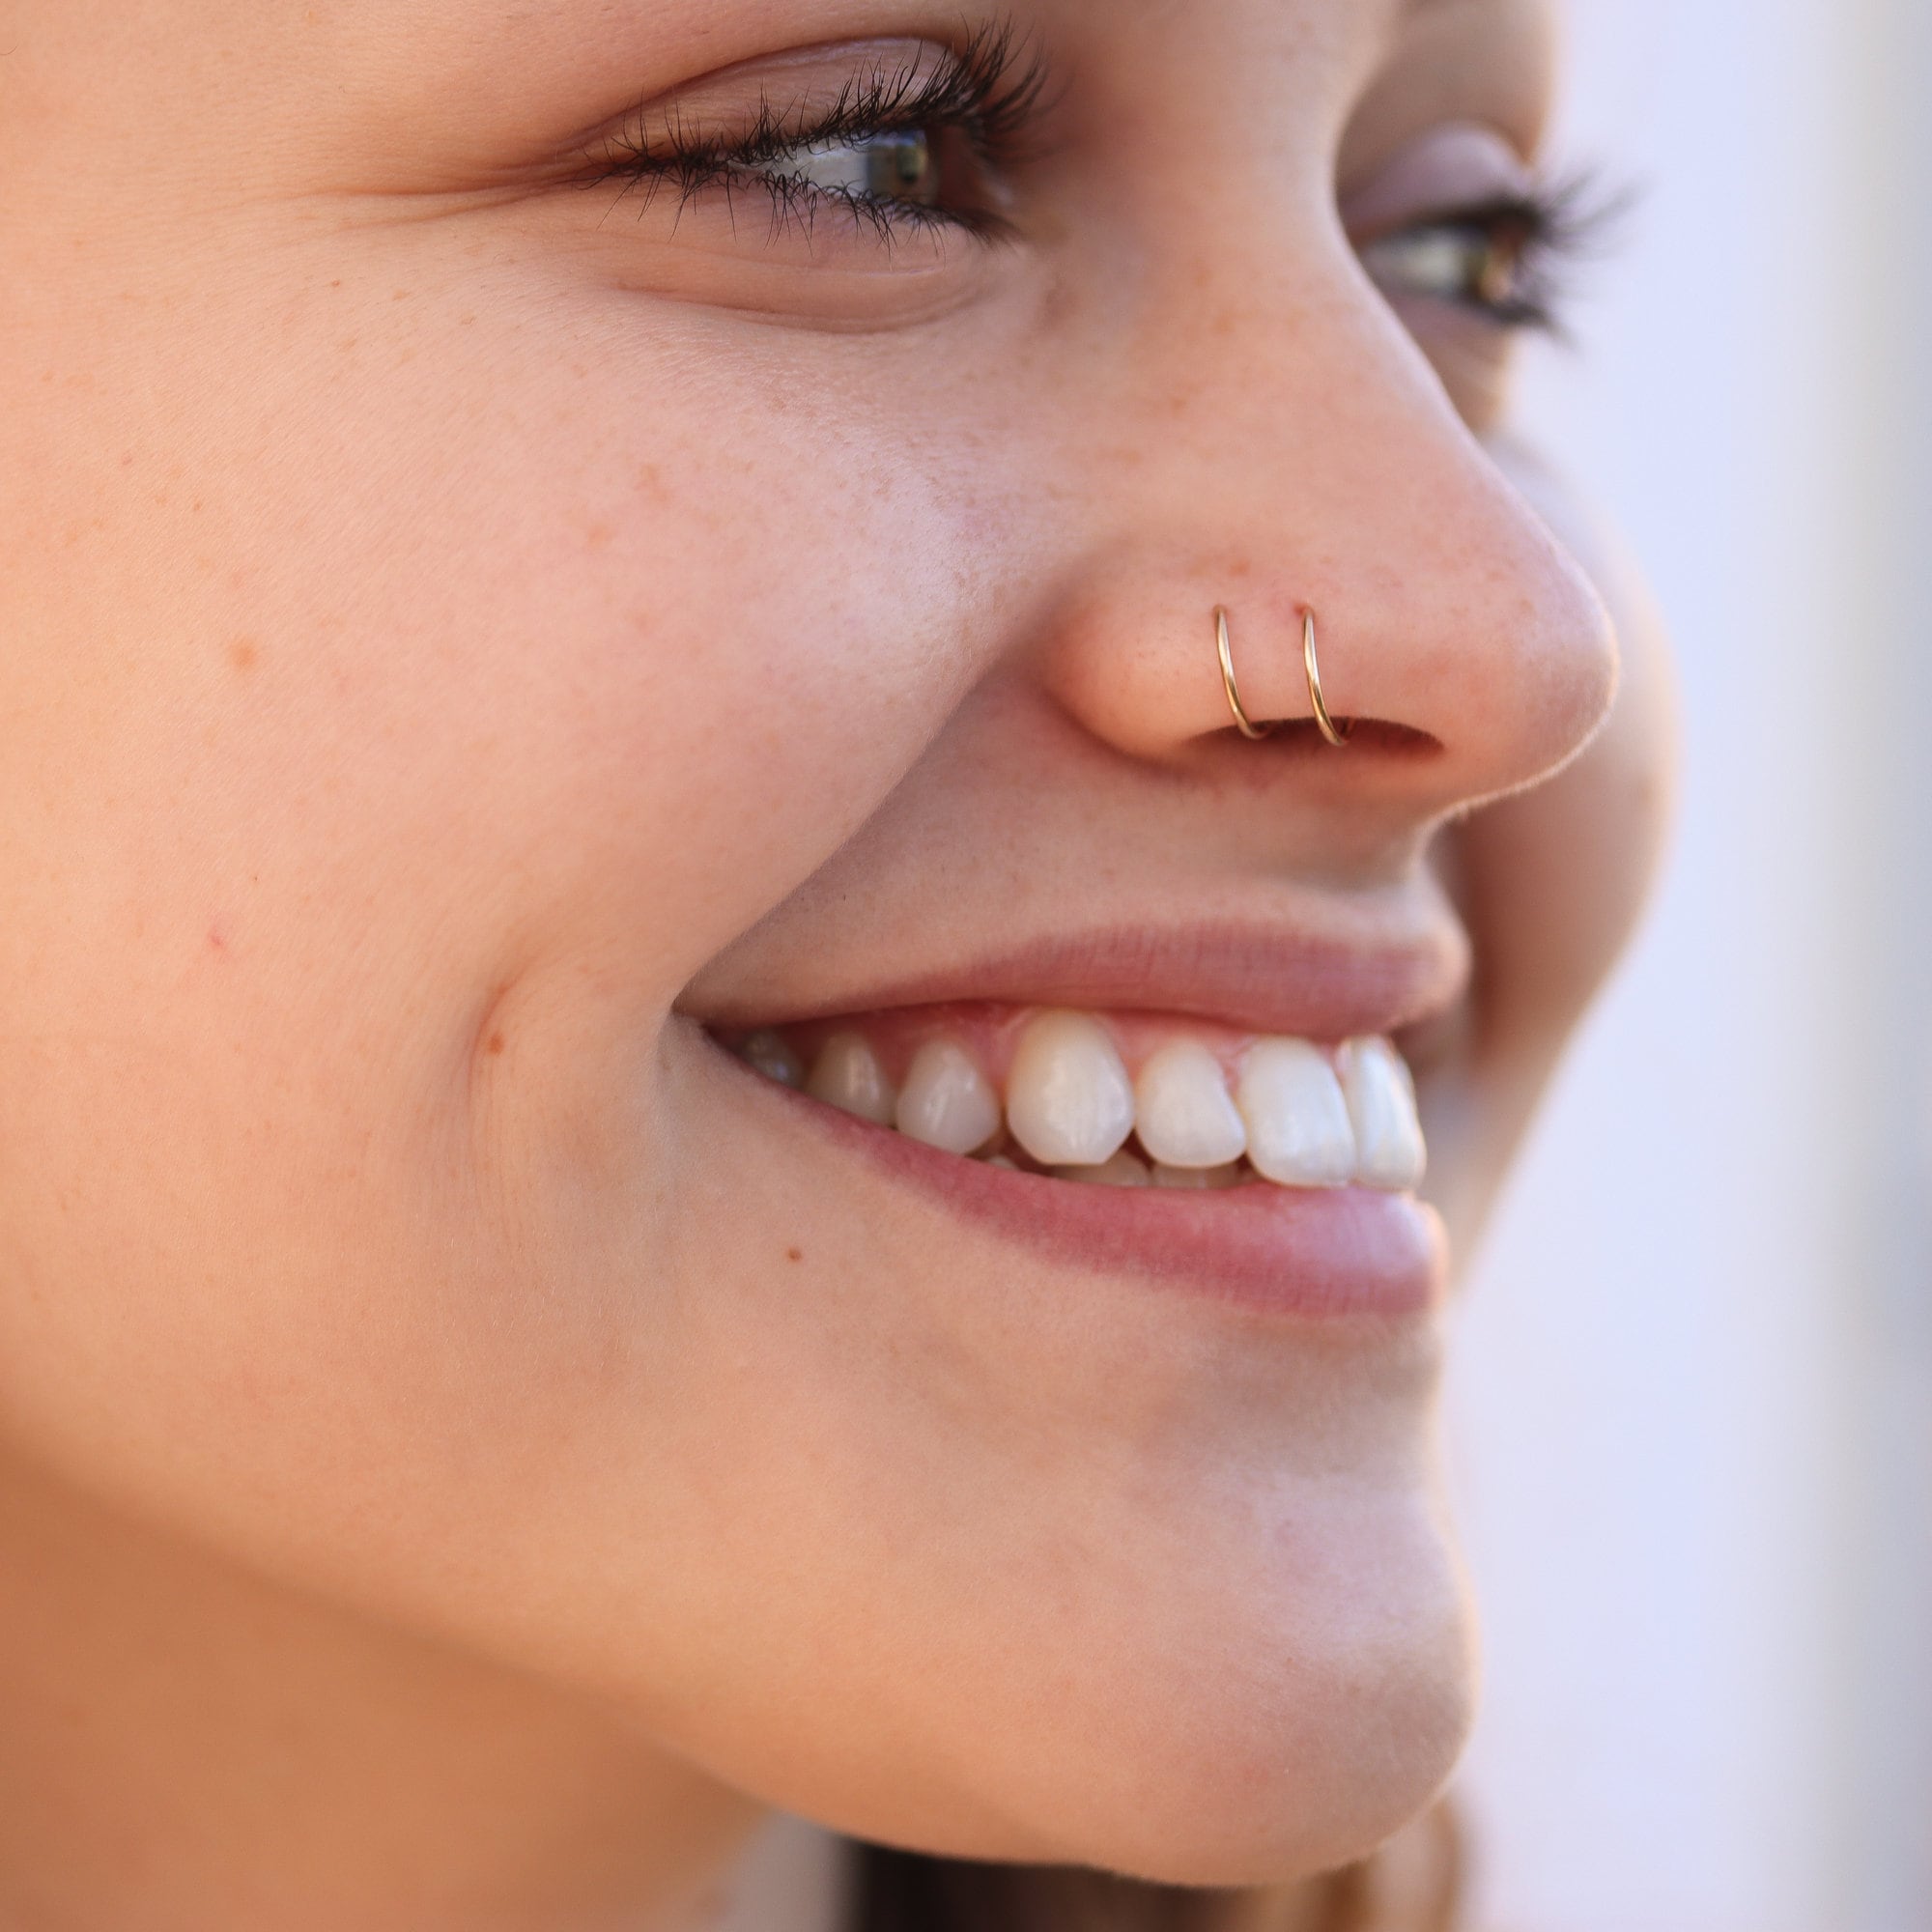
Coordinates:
[1454,679]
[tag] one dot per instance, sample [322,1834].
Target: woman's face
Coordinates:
[541,544]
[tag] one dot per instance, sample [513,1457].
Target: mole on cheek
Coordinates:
[244,653]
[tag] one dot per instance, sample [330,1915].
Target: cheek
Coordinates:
[324,761]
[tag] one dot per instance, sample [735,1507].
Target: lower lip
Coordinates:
[1311,1254]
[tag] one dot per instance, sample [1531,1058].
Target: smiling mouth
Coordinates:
[1112,1099]
[1213,1108]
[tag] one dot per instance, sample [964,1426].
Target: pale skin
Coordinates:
[462,1463]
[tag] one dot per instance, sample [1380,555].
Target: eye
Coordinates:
[924,141]
[899,166]
[1506,260]
[937,173]
[1492,261]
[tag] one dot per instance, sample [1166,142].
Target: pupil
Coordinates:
[1498,268]
[901,167]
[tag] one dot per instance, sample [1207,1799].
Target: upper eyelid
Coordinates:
[996,75]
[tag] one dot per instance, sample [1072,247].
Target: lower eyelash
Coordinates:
[796,204]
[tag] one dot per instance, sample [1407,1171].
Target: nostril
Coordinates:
[1383,734]
[1303,737]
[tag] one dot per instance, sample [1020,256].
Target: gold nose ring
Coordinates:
[1323,724]
[1248,728]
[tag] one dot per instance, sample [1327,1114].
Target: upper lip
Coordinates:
[1256,978]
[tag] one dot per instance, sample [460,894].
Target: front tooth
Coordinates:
[1298,1129]
[847,1075]
[1199,1177]
[947,1102]
[1122,1170]
[1069,1099]
[1184,1115]
[768,1052]
[1389,1153]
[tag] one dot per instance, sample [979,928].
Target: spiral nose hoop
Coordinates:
[1242,722]
[1323,724]
[1336,735]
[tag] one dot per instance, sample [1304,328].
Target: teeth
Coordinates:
[1121,1171]
[1185,1117]
[1069,1103]
[1303,1115]
[773,1057]
[1298,1129]
[947,1102]
[1382,1105]
[847,1074]
[1199,1177]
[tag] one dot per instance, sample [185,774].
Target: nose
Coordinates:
[1273,450]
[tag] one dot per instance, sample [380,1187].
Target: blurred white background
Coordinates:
[1692,1416]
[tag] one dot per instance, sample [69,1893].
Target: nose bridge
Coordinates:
[1278,443]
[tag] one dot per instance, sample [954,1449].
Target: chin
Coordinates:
[1298,1750]
[1226,1724]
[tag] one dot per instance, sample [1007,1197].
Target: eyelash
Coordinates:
[990,93]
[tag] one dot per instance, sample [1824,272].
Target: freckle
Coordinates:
[335,284]
[400,296]
[196,506]
[495,1043]
[596,536]
[126,459]
[794,1253]
[345,345]
[243,653]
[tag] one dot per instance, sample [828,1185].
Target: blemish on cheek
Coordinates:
[494,1045]
[794,1253]
[598,535]
[244,654]
[218,943]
